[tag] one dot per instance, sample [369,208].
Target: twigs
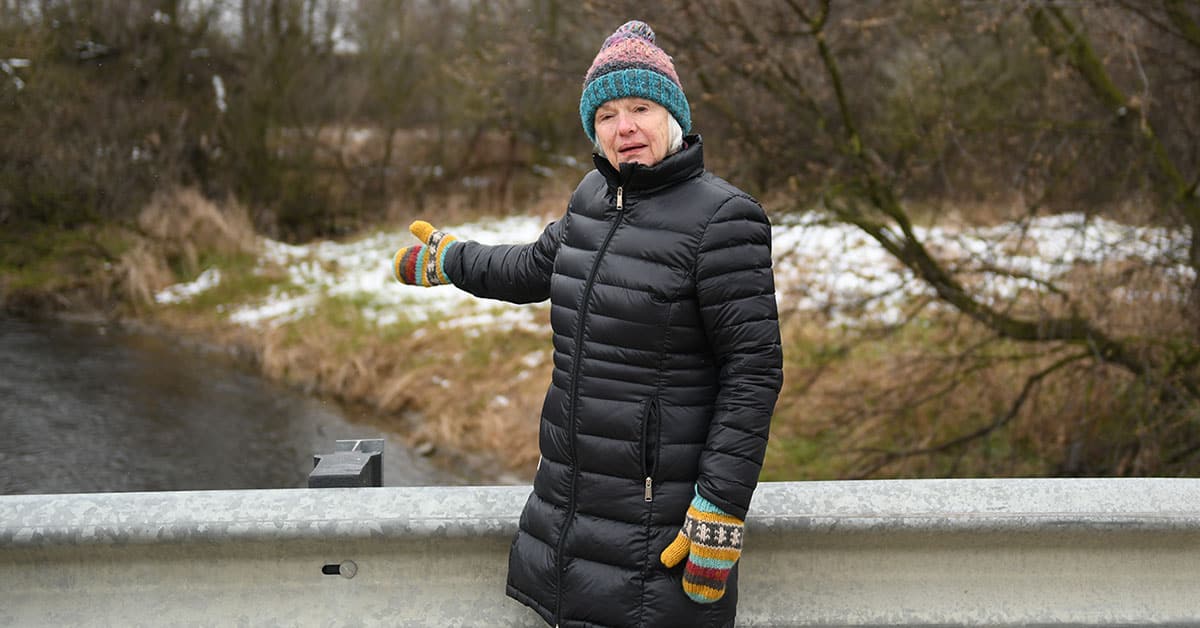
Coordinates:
[888,457]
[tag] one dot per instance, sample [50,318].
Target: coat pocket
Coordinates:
[650,436]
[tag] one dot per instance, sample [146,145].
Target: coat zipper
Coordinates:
[587,294]
[649,453]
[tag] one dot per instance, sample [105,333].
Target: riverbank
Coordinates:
[881,380]
[197,338]
[60,276]
[97,407]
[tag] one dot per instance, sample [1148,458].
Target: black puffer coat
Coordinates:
[667,365]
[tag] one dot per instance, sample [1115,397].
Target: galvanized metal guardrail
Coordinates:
[922,552]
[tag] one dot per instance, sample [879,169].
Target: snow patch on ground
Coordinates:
[820,266]
[181,292]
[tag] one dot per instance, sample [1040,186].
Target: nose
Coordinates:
[625,124]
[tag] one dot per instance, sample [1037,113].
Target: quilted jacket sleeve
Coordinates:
[736,290]
[517,273]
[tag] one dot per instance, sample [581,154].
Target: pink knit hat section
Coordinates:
[632,46]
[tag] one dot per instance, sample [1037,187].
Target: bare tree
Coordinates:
[861,108]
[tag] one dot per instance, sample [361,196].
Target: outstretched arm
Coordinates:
[518,273]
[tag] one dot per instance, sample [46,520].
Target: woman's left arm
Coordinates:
[736,291]
[517,273]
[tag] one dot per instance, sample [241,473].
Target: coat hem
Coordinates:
[546,615]
[517,595]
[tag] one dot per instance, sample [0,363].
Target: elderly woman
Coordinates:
[667,361]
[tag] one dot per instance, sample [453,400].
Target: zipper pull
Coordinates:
[621,198]
[649,495]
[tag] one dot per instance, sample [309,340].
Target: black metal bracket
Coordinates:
[352,463]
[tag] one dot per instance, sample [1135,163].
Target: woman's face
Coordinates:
[632,130]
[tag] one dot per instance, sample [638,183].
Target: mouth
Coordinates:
[630,148]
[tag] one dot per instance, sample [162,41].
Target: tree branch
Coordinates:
[1188,29]
[1065,39]
[888,457]
[1052,26]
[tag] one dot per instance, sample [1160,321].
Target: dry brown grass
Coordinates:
[179,227]
[141,272]
[946,397]
[457,207]
[186,223]
[1133,300]
[463,395]
[874,398]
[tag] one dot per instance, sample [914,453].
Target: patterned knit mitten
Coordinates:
[712,542]
[424,264]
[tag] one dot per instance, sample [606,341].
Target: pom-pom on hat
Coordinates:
[629,64]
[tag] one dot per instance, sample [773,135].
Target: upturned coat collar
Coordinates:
[639,180]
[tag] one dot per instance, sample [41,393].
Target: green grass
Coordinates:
[341,318]
[45,258]
[241,282]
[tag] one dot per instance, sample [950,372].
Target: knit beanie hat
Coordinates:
[629,64]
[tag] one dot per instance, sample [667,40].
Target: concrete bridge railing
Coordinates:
[923,552]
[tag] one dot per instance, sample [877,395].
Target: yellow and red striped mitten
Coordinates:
[424,264]
[712,542]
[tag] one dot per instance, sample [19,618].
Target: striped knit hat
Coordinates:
[630,64]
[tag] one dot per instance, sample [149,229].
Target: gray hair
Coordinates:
[674,137]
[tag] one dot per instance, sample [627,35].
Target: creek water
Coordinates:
[91,408]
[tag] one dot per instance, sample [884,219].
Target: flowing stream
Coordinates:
[89,408]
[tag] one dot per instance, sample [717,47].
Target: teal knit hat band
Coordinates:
[635,83]
[630,64]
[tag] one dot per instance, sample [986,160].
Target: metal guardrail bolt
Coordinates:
[346,569]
